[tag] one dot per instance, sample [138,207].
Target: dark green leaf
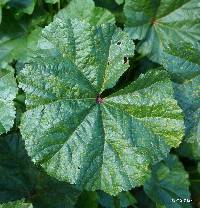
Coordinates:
[169,184]
[2,4]
[160,23]
[126,199]
[22,6]
[184,66]
[87,200]
[19,178]
[16,41]
[142,199]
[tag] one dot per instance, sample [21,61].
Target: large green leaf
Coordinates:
[19,178]
[158,23]
[183,63]
[169,184]
[8,91]
[86,11]
[16,204]
[80,137]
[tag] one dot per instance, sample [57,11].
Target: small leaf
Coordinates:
[170,187]
[77,135]
[86,11]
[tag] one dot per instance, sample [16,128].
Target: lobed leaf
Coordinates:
[76,135]
[183,63]
[160,23]
[169,184]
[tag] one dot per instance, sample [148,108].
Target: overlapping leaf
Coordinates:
[22,6]
[125,199]
[160,23]
[80,137]
[183,62]
[19,178]
[86,11]
[8,91]
[13,166]
[17,38]
[169,184]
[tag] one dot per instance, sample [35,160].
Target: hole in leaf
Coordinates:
[131,74]
[118,43]
[125,60]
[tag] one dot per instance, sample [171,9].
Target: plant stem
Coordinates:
[58,5]
[139,57]
[195,180]
[116,202]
